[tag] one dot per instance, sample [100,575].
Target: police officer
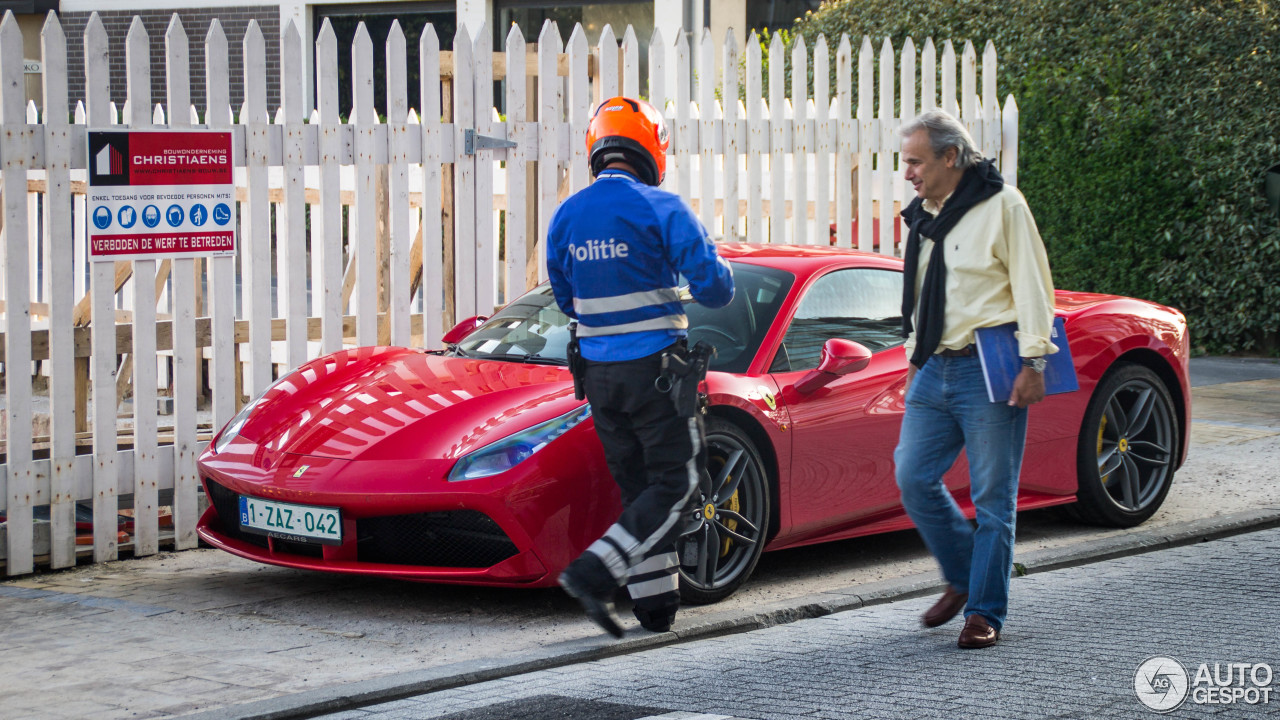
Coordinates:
[615,252]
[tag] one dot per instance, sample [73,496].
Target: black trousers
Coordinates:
[655,456]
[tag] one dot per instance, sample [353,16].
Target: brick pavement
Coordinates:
[1071,648]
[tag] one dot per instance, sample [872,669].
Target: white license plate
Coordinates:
[299,523]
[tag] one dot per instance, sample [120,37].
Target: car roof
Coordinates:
[804,260]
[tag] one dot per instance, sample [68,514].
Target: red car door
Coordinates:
[844,433]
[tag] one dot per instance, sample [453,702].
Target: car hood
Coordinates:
[397,403]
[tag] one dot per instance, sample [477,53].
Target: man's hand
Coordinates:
[911,373]
[1028,388]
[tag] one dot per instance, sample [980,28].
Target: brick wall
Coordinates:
[235,21]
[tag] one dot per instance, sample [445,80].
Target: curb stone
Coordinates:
[398,686]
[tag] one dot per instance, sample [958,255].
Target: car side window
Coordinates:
[859,304]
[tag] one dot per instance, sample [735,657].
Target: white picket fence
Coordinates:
[785,168]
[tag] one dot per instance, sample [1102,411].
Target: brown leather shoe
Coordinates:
[951,602]
[977,633]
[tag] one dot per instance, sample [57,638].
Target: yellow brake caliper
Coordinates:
[735,506]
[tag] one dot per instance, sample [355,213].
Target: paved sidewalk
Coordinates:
[1072,648]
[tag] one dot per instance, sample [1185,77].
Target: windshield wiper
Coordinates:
[523,358]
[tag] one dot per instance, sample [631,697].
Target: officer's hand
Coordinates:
[1028,388]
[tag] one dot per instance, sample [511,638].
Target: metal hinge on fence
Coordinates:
[471,142]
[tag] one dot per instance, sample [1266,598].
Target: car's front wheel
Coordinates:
[1127,449]
[725,531]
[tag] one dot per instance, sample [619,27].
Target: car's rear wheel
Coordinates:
[725,532]
[1127,449]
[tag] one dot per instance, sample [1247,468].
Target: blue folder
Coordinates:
[998,351]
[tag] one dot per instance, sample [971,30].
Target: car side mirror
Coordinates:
[1272,188]
[463,329]
[839,357]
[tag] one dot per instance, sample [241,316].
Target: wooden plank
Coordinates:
[291,212]
[847,142]
[448,213]
[928,76]
[884,158]
[779,141]
[1009,141]
[36,286]
[631,64]
[578,109]
[63,378]
[948,101]
[990,104]
[607,82]
[224,370]
[550,103]
[801,113]
[658,88]
[732,111]
[903,191]
[757,142]
[146,475]
[17,319]
[867,138]
[969,89]
[683,142]
[823,142]
[105,479]
[706,64]
[362,242]
[398,294]
[486,269]
[382,251]
[186,359]
[431,228]
[326,211]
[516,240]
[255,255]
[80,226]
[464,177]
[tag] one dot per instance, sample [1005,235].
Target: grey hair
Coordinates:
[945,131]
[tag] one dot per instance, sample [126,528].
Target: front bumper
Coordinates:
[454,546]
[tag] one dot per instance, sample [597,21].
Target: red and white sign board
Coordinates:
[157,194]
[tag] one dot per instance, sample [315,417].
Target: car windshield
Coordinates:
[532,329]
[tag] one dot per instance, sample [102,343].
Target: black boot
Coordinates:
[588,581]
[655,620]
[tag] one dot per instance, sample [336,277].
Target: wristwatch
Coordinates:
[1035,363]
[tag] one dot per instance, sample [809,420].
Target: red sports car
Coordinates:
[476,464]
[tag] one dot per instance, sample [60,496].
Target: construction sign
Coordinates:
[156,194]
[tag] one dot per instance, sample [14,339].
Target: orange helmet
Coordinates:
[631,131]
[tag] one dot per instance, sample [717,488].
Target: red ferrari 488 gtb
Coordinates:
[476,464]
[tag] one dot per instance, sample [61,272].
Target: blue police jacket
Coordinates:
[615,252]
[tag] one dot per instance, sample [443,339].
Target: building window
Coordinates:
[593,16]
[377,17]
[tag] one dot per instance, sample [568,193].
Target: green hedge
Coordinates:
[1146,127]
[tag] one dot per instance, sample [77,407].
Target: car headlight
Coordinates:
[510,451]
[233,428]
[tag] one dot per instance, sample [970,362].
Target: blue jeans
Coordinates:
[946,410]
